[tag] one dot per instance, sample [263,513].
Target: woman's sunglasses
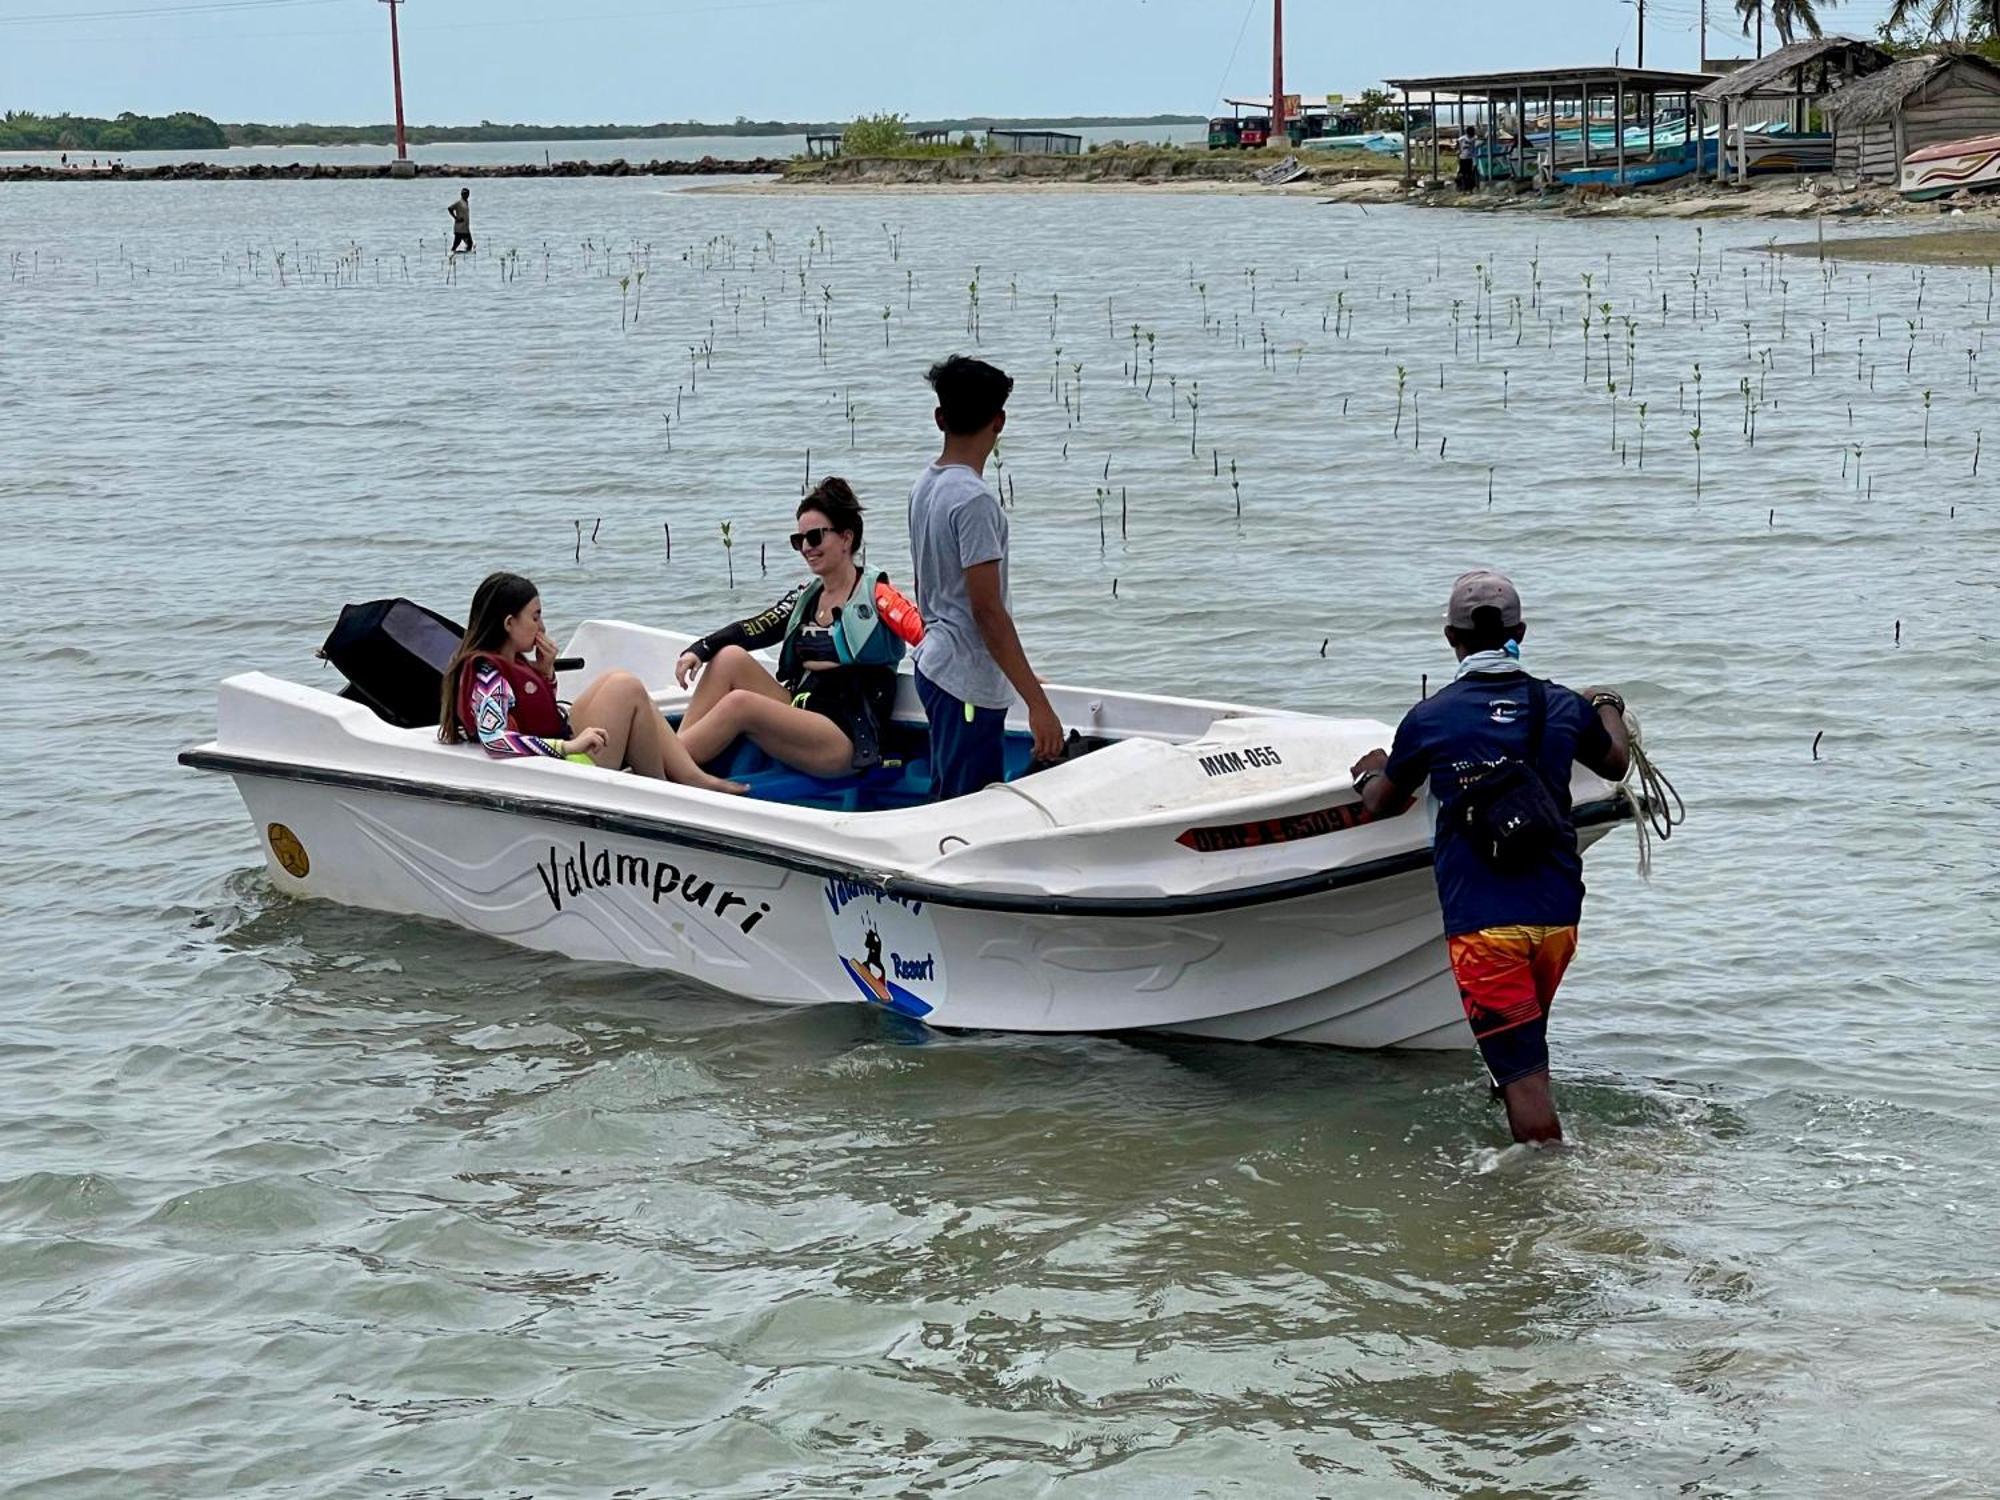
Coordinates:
[804,539]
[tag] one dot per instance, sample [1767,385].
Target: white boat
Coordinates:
[1204,870]
[1934,171]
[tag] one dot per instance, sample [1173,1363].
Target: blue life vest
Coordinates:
[859,639]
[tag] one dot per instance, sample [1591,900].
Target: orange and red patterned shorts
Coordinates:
[1508,977]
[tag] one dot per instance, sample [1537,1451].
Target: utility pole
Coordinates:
[1702,64]
[403,167]
[1278,70]
[1642,33]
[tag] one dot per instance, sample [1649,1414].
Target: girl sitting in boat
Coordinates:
[500,689]
[836,683]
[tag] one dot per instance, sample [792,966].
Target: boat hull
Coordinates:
[1938,171]
[1361,965]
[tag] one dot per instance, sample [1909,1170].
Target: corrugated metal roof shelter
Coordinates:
[1582,88]
[1912,103]
[1035,142]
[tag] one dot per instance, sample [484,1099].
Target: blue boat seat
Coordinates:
[903,779]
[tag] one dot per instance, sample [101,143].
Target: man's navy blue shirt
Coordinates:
[1457,733]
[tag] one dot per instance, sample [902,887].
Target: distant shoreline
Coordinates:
[207,171]
[496,134]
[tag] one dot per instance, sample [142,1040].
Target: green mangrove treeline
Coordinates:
[488,130]
[22,131]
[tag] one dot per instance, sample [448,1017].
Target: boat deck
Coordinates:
[903,779]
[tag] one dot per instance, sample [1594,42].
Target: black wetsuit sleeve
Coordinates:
[753,634]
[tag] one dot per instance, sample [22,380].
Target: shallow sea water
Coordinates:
[303,1201]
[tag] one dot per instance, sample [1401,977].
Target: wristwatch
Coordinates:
[1361,781]
[1601,700]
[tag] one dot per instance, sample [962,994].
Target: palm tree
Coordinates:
[1789,16]
[1964,21]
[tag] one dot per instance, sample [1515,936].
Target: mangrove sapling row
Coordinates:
[1733,316]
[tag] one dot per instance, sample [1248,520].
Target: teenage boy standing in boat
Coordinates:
[971,654]
[1495,749]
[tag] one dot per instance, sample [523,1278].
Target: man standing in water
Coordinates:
[461,221]
[1495,749]
[958,542]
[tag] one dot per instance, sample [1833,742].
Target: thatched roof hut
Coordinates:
[1912,103]
[1812,68]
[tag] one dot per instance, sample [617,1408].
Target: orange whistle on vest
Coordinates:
[898,613]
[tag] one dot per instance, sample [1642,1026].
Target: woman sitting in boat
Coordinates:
[500,689]
[836,683]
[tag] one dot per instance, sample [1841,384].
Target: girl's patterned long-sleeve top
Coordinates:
[753,634]
[493,709]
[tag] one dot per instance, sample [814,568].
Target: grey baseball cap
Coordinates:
[1482,588]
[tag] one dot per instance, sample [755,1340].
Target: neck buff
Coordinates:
[1491,662]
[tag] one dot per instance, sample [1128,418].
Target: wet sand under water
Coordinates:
[1971,247]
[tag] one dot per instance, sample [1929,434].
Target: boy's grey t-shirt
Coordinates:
[956,523]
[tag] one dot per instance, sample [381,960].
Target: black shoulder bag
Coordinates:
[1506,811]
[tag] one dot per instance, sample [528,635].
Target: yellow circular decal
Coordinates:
[290,852]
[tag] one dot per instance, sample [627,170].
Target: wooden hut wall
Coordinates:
[1868,150]
[1960,101]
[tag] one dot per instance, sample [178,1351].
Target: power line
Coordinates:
[135,13]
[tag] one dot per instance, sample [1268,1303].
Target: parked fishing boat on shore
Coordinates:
[1936,171]
[1205,868]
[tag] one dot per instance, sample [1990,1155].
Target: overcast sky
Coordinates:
[628,61]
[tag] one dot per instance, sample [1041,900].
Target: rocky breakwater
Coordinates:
[205,171]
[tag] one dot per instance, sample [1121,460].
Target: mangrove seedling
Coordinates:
[729,553]
[1927,421]
[1694,435]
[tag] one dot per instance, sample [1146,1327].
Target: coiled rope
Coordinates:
[1657,809]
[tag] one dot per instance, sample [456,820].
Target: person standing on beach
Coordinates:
[1495,749]
[971,653]
[461,221]
[1468,160]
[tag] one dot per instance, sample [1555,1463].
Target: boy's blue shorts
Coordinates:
[968,751]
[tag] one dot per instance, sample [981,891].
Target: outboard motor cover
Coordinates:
[393,654]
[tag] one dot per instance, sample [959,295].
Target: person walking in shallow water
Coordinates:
[461,221]
[1494,749]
